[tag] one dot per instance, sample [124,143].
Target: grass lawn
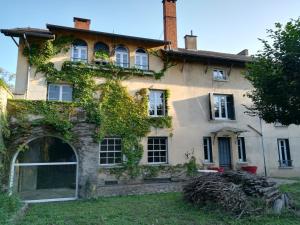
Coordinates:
[9,205]
[162,209]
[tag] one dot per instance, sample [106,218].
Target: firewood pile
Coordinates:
[253,185]
[233,190]
[212,188]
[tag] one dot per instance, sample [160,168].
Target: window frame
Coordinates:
[153,150]
[230,114]
[287,162]
[241,147]
[219,70]
[141,66]
[209,149]
[156,103]
[60,91]
[80,47]
[122,53]
[111,164]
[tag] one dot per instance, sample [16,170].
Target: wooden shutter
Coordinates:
[288,154]
[211,106]
[230,107]
[210,149]
[244,157]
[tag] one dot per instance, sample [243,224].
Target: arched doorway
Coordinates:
[46,169]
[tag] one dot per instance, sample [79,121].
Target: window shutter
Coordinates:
[230,107]
[165,104]
[53,92]
[288,154]
[210,149]
[211,106]
[244,149]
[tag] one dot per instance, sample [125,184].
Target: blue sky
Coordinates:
[221,25]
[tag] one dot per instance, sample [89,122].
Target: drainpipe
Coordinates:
[263,146]
[29,67]
[260,133]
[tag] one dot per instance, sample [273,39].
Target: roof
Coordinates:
[28,31]
[154,42]
[207,56]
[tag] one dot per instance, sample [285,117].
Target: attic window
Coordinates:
[219,75]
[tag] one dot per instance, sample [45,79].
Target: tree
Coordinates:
[275,76]
[8,78]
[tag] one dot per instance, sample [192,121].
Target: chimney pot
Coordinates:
[190,41]
[170,22]
[82,23]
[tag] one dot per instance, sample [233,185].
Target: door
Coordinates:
[224,152]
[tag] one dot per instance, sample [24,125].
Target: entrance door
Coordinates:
[224,152]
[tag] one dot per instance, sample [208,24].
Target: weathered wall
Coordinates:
[189,85]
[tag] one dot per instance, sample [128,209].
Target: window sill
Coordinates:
[209,163]
[224,120]
[220,80]
[285,167]
[242,163]
[158,164]
[113,166]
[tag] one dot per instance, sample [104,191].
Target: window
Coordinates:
[241,149]
[223,107]
[157,150]
[60,92]
[122,57]
[284,153]
[219,75]
[141,59]
[207,147]
[79,51]
[157,103]
[101,53]
[110,151]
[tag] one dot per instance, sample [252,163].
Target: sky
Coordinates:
[221,25]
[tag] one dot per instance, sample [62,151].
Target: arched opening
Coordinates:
[141,59]
[79,51]
[122,56]
[45,170]
[101,53]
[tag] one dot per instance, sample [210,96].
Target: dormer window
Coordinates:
[79,51]
[122,56]
[141,59]
[219,75]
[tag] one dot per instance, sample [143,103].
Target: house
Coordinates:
[197,105]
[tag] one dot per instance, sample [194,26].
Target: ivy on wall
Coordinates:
[115,113]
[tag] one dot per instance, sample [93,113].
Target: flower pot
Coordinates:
[220,170]
[250,169]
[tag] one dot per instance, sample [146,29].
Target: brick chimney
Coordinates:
[81,23]
[190,41]
[170,23]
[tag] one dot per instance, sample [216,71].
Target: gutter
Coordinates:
[29,67]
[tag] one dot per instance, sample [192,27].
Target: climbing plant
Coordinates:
[108,105]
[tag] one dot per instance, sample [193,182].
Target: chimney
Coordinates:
[170,23]
[190,41]
[245,52]
[81,23]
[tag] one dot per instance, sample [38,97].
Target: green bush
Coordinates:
[9,205]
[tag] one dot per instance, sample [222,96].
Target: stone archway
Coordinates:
[45,170]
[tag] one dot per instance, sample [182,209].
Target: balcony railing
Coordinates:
[285,163]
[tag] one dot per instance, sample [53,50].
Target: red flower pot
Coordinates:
[250,169]
[220,170]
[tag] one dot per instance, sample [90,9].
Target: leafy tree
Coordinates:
[275,75]
[8,78]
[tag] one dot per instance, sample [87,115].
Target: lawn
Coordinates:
[9,205]
[162,209]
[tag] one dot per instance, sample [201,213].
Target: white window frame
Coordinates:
[241,149]
[219,97]
[60,92]
[157,94]
[209,149]
[79,58]
[123,55]
[110,164]
[141,55]
[225,77]
[285,149]
[166,150]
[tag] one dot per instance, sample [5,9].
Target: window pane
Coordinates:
[110,151]
[157,150]
[53,92]
[216,106]
[67,93]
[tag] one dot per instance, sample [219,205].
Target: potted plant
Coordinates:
[250,169]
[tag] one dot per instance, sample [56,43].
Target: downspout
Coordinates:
[29,67]
[263,146]
[260,133]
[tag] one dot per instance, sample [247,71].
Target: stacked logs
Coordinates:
[212,188]
[232,190]
[253,185]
